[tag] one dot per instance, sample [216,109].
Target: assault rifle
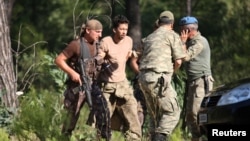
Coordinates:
[85,89]
[85,84]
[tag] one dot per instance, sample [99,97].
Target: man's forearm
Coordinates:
[177,64]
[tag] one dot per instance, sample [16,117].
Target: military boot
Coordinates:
[159,137]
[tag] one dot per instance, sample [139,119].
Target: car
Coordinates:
[227,104]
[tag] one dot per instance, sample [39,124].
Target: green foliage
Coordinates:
[58,76]
[4,136]
[6,118]
[30,68]
[40,116]
[177,134]
[179,83]
[231,51]
[226,32]
[55,21]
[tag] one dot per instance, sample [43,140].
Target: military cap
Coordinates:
[168,14]
[188,20]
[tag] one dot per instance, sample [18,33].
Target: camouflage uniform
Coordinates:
[156,68]
[197,65]
[198,70]
[136,54]
[122,105]
[196,93]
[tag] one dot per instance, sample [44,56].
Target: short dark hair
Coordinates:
[165,20]
[119,19]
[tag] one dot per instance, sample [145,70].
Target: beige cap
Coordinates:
[93,24]
[168,14]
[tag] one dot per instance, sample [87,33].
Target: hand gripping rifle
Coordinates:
[86,84]
[85,89]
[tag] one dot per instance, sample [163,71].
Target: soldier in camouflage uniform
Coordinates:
[68,61]
[197,64]
[134,63]
[162,54]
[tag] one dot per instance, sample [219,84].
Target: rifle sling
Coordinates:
[84,53]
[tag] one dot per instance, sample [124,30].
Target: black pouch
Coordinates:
[206,84]
[161,82]
[106,68]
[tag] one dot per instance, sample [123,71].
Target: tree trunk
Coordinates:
[133,14]
[189,7]
[8,84]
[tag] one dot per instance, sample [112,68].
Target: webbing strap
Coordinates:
[84,51]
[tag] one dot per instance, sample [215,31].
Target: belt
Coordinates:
[151,70]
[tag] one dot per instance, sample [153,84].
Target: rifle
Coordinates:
[99,114]
[85,85]
[85,89]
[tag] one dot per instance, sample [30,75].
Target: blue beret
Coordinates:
[188,20]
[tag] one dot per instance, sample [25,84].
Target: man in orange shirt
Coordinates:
[115,50]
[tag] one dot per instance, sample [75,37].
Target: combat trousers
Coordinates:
[161,102]
[70,104]
[123,109]
[196,93]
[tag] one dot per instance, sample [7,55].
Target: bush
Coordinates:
[6,117]
[3,135]
[39,116]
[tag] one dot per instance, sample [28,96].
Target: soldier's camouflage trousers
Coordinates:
[161,101]
[123,109]
[196,92]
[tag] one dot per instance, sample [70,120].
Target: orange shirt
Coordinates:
[117,55]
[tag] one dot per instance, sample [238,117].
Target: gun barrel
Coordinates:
[86,85]
[89,99]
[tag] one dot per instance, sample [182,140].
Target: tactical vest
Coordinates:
[89,64]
